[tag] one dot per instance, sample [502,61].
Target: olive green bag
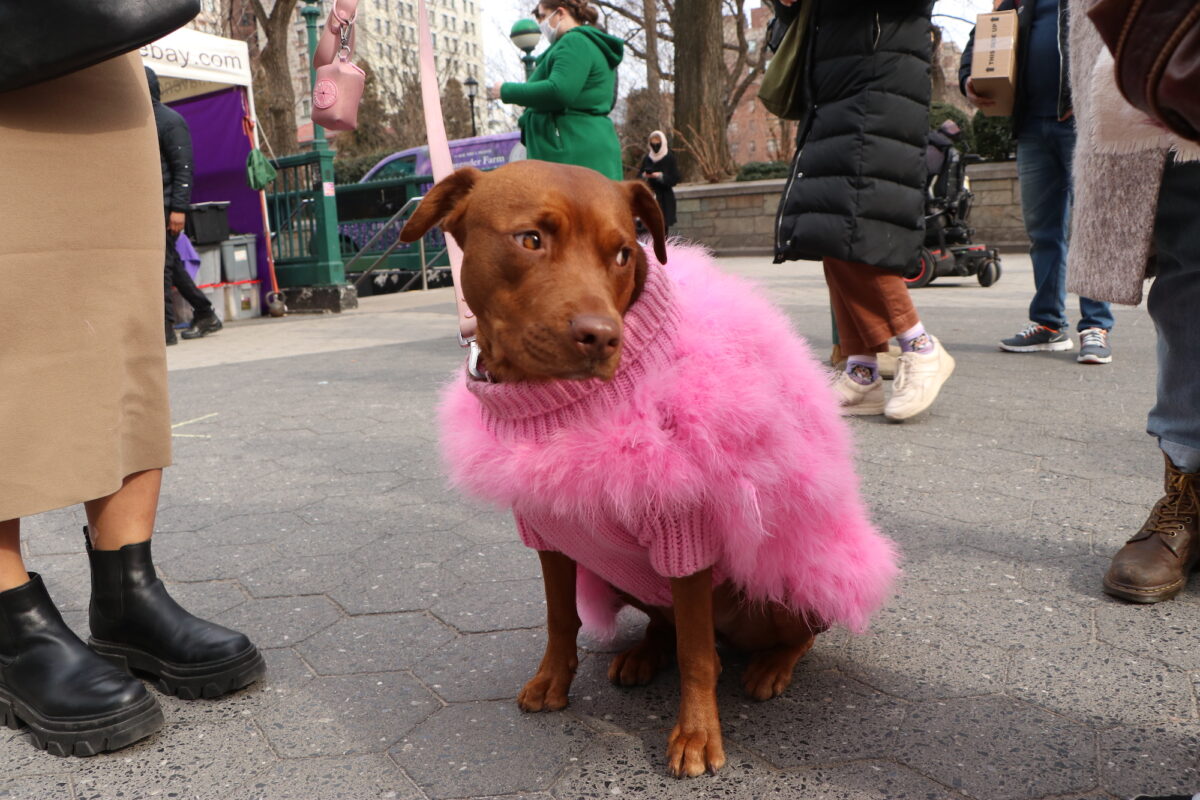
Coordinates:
[782,87]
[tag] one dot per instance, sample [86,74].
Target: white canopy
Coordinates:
[191,63]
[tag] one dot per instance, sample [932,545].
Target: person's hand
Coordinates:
[657,175]
[978,100]
[493,91]
[175,222]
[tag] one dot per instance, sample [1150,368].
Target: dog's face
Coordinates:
[551,263]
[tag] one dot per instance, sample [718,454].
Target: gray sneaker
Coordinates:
[1093,347]
[1034,338]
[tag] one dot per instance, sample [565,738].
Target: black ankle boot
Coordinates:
[74,702]
[139,627]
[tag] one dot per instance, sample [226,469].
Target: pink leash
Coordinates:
[439,156]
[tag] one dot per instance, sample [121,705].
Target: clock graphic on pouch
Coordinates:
[324,94]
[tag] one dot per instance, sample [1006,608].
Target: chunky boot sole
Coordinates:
[83,737]
[188,681]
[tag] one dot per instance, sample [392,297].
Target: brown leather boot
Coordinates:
[1154,565]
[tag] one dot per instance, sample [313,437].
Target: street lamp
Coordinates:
[525,35]
[472,90]
[312,13]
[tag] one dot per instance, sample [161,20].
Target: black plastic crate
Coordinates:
[208,223]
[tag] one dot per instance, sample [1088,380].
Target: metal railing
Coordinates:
[422,273]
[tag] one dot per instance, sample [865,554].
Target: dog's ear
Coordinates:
[645,207]
[441,205]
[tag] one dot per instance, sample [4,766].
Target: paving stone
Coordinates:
[488,527]
[1164,631]
[298,575]
[181,760]
[355,778]
[1075,579]
[996,748]
[408,546]
[383,587]
[266,528]
[956,570]
[46,787]
[187,517]
[1159,759]
[489,748]
[1005,621]
[281,621]
[286,673]
[482,666]
[922,662]
[484,607]
[635,766]
[1100,685]
[346,714]
[824,718]
[506,561]
[374,643]
[217,563]
[1033,538]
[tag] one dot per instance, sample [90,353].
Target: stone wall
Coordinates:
[731,218]
[996,215]
[739,218]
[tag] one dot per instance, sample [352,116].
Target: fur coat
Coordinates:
[1116,189]
[718,443]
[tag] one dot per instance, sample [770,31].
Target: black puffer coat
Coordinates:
[174,150]
[857,186]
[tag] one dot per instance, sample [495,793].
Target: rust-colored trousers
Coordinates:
[870,305]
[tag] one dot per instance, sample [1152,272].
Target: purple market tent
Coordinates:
[207,79]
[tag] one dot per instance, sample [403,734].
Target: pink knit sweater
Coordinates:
[717,444]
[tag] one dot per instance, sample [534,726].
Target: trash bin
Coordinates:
[239,258]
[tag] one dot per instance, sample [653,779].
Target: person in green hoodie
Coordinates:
[571,92]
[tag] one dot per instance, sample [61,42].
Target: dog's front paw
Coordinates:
[695,749]
[546,691]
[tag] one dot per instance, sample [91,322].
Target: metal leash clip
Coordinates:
[473,359]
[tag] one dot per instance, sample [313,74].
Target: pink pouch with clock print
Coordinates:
[338,88]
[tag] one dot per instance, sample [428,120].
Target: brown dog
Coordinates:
[551,265]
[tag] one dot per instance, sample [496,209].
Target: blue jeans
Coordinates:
[1175,308]
[1044,151]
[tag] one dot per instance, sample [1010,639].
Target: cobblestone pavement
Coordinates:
[307,508]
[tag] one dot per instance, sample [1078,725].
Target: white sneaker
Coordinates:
[856,399]
[919,378]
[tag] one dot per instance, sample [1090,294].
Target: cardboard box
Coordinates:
[994,62]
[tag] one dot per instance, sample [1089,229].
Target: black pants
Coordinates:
[175,274]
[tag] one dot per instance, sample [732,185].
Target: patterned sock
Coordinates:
[863,370]
[915,340]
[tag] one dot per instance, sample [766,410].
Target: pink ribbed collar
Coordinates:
[533,410]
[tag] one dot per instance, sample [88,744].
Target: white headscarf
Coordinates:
[662,151]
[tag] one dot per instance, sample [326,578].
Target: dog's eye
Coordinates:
[624,256]
[530,240]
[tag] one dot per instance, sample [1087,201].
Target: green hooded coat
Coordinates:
[568,99]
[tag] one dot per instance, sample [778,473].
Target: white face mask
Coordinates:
[549,32]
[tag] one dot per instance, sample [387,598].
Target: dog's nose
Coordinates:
[596,336]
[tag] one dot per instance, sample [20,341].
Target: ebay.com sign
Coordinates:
[196,56]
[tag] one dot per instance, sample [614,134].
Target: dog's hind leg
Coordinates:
[770,671]
[547,690]
[776,637]
[638,665]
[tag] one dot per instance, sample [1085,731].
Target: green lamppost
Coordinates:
[312,16]
[317,280]
[525,35]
